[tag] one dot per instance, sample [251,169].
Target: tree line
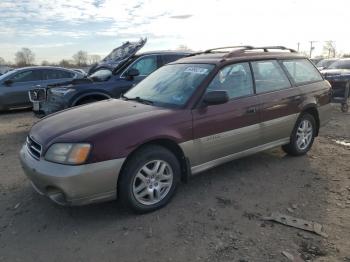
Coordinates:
[26,57]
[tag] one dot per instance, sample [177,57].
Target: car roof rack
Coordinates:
[266,48]
[243,48]
[239,47]
[212,50]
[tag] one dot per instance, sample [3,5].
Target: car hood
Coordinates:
[119,55]
[90,119]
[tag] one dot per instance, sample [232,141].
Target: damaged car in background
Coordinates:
[338,75]
[113,76]
[15,84]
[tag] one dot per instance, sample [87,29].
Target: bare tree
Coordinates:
[2,61]
[80,58]
[24,57]
[329,49]
[65,63]
[45,63]
[93,59]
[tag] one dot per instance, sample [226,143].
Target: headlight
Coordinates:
[70,154]
[61,91]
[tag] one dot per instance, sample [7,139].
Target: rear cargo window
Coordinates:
[302,71]
[269,76]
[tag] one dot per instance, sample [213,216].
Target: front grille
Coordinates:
[34,148]
[37,95]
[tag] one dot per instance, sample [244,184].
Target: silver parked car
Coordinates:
[15,84]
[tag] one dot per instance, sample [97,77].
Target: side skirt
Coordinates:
[251,151]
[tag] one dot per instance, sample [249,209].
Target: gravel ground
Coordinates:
[216,216]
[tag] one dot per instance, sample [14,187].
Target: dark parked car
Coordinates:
[15,84]
[325,63]
[113,76]
[338,75]
[186,117]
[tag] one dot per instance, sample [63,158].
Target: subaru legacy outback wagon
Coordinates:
[186,117]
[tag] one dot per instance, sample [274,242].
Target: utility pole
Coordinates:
[298,46]
[311,47]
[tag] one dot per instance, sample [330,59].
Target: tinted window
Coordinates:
[170,58]
[235,79]
[56,74]
[302,71]
[171,85]
[269,76]
[146,65]
[26,76]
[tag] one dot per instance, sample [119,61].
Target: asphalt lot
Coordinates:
[216,216]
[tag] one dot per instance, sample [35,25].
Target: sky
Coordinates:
[56,29]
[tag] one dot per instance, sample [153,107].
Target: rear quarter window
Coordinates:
[302,71]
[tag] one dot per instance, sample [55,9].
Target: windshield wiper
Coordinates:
[138,99]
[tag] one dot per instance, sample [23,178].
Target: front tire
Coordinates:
[302,136]
[149,179]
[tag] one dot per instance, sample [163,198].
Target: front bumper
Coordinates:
[72,185]
[45,108]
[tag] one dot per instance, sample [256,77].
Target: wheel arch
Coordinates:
[172,146]
[312,110]
[90,94]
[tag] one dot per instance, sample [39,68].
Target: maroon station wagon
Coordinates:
[186,117]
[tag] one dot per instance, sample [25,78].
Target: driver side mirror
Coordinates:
[131,73]
[8,82]
[216,97]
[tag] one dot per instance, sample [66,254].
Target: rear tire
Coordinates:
[345,107]
[149,179]
[302,137]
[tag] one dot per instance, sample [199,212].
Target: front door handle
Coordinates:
[251,110]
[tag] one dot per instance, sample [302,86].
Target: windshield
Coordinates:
[171,85]
[340,64]
[101,75]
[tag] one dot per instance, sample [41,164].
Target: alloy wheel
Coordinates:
[152,182]
[304,134]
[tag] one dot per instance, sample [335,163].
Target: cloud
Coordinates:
[169,23]
[181,16]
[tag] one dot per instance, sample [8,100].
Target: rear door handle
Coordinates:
[251,110]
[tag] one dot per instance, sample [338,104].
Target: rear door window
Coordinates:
[302,71]
[269,76]
[235,79]
[51,74]
[27,76]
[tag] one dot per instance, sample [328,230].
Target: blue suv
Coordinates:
[110,78]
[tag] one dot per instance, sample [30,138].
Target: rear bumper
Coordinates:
[72,185]
[324,113]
